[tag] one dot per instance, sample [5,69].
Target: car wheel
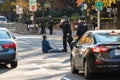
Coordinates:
[87,74]
[73,70]
[14,64]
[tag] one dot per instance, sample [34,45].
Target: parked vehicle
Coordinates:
[8,48]
[96,52]
[3,19]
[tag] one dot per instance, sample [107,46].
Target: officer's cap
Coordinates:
[65,18]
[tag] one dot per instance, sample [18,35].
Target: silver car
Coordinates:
[8,51]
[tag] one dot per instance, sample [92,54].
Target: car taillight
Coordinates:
[10,45]
[100,49]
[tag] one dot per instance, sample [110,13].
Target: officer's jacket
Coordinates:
[82,28]
[66,28]
[50,23]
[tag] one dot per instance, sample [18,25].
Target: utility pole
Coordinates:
[1,2]
[99,7]
[98,19]
[33,8]
[42,2]
[43,7]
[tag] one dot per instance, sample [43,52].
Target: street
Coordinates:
[34,65]
[82,37]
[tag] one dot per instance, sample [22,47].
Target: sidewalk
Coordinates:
[57,32]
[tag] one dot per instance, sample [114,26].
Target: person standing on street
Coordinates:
[50,25]
[65,25]
[94,24]
[43,31]
[82,27]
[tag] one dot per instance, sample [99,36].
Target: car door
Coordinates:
[78,51]
[83,47]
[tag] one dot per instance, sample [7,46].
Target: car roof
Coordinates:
[102,31]
[3,29]
[3,16]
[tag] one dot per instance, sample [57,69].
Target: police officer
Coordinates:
[65,25]
[43,31]
[94,24]
[50,25]
[82,27]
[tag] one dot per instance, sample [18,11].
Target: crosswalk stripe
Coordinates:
[65,78]
[28,37]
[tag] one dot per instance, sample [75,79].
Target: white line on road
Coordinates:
[65,78]
[33,66]
[19,57]
[38,66]
[29,37]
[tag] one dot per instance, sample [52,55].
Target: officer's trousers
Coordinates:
[65,43]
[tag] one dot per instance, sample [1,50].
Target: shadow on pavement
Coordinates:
[4,68]
[66,61]
[80,76]
[106,76]
[51,77]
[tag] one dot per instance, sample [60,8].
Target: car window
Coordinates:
[4,34]
[89,39]
[3,19]
[82,39]
[106,37]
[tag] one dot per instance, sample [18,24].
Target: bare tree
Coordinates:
[118,13]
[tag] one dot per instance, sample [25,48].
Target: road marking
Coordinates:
[28,37]
[38,66]
[19,58]
[65,78]
[33,66]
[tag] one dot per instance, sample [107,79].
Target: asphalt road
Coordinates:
[34,65]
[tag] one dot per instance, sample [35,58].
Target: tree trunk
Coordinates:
[118,14]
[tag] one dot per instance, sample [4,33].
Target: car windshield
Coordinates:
[4,34]
[2,19]
[106,37]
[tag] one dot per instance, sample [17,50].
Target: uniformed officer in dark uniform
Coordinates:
[65,25]
[82,27]
[94,24]
[50,25]
[43,31]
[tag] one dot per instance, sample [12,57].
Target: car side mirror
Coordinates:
[74,44]
[13,37]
